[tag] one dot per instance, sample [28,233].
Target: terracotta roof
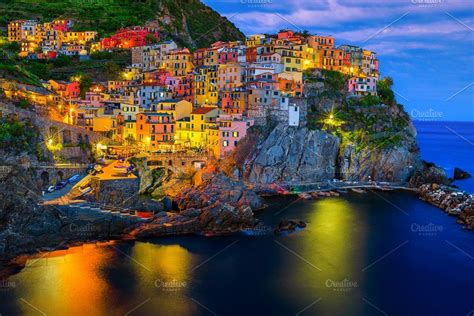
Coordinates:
[202,110]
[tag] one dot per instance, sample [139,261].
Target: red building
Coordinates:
[129,37]
[251,54]
[228,55]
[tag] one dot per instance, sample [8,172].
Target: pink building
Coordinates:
[362,85]
[228,55]
[232,128]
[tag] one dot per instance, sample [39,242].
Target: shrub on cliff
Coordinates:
[17,136]
[385,92]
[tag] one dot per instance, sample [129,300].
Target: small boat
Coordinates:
[314,195]
[360,191]
[305,196]
[142,214]
[51,188]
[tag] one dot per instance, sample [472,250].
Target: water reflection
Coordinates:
[327,268]
[318,270]
[64,283]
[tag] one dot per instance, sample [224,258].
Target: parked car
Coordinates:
[60,185]
[97,169]
[74,178]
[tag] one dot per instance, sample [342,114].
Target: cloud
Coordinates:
[436,29]
[390,48]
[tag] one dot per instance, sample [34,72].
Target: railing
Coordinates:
[63,166]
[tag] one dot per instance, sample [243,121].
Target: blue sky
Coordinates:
[426,46]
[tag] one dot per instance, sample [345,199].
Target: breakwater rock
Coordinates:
[218,206]
[454,202]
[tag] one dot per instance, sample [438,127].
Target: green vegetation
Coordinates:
[385,92]
[334,80]
[367,122]
[17,135]
[203,24]
[367,100]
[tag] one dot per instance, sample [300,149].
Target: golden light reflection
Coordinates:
[65,282]
[332,242]
[161,266]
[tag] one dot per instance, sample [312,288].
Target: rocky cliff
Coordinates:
[294,155]
[353,139]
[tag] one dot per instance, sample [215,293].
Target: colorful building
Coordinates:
[130,37]
[192,131]
[154,129]
[362,85]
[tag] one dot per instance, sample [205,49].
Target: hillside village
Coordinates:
[170,98]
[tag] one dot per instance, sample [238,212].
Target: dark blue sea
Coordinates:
[383,253]
[449,145]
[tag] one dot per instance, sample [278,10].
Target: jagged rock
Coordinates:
[429,173]
[453,202]
[147,205]
[460,174]
[191,212]
[393,165]
[294,155]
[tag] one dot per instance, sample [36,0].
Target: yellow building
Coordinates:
[178,109]
[193,131]
[79,37]
[291,58]
[206,85]
[178,62]
[255,40]
[211,57]
[14,30]
[129,112]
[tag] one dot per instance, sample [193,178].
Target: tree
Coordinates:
[151,39]
[112,70]
[85,82]
[385,92]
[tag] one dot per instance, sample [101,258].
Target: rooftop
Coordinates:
[203,110]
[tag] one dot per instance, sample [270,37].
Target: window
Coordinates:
[226,143]
[235,134]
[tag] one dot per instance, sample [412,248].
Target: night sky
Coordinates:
[426,46]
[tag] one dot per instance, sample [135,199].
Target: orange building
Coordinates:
[155,128]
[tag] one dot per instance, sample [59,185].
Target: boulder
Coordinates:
[460,174]
[429,173]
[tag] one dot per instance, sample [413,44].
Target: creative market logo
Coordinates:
[426,115]
[84,230]
[170,286]
[256,3]
[6,285]
[427,229]
[345,285]
[426,3]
